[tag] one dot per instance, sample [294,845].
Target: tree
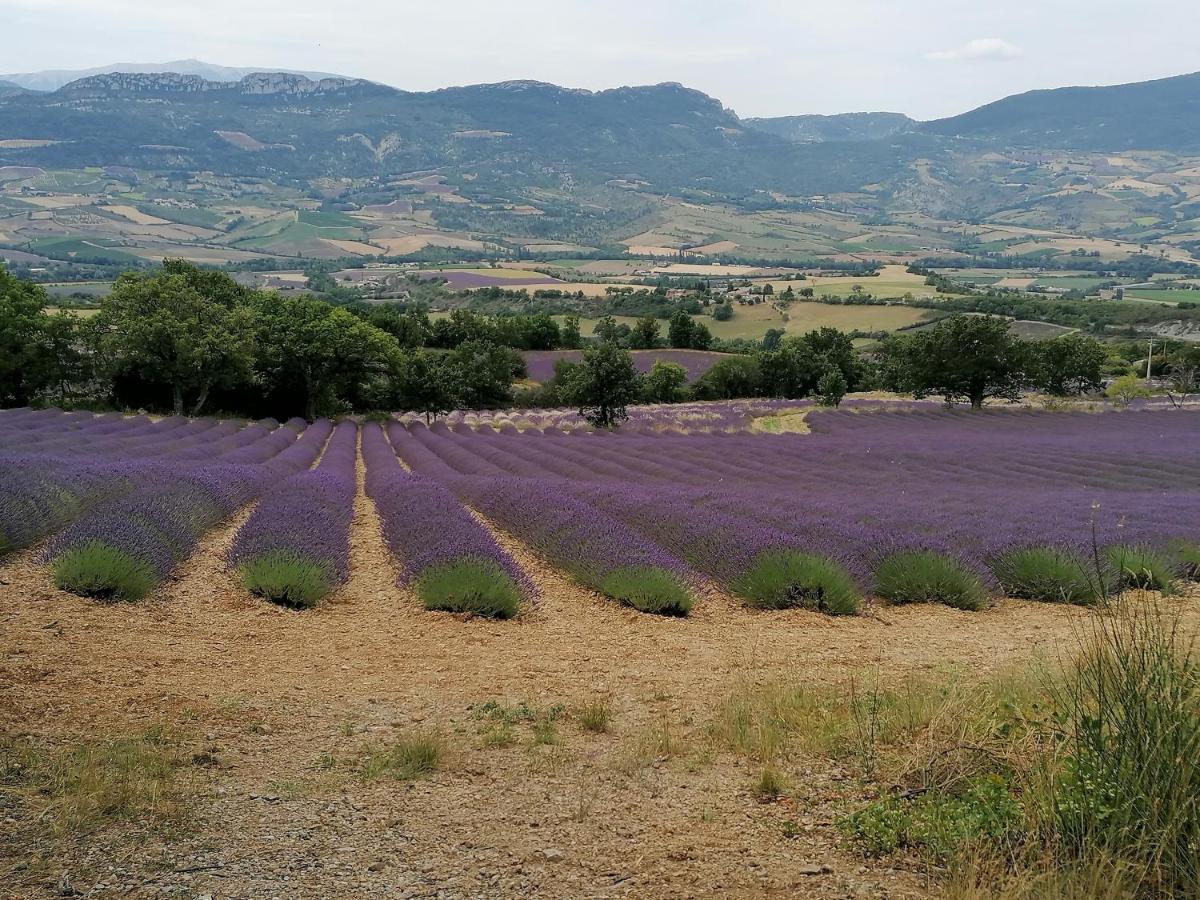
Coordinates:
[770,340]
[607,330]
[791,370]
[1126,389]
[722,312]
[322,351]
[22,322]
[65,357]
[666,382]
[603,385]
[484,373]
[571,338]
[961,358]
[831,388]
[645,333]
[731,378]
[680,330]
[835,349]
[701,336]
[181,327]
[1068,366]
[424,384]
[1183,369]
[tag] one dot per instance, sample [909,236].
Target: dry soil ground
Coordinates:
[281,705]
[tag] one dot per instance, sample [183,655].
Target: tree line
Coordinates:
[190,340]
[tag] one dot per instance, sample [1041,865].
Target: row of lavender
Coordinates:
[1017,499]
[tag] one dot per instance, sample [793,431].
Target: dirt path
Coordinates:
[288,701]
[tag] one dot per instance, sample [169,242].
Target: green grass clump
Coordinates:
[286,579]
[937,823]
[594,717]
[648,589]
[784,579]
[100,571]
[412,756]
[475,586]
[922,576]
[1047,573]
[1142,567]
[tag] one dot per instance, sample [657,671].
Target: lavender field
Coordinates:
[907,502]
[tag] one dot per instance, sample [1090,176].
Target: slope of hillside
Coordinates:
[1148,115]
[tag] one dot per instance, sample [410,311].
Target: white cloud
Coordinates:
[989,49]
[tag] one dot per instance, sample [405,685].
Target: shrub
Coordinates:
[100,571]
[595,717]
[648,589]
[785,579]
[410,757]
[938,824]
[771,785]
[286,579]
[475,586]
[1142,567]
[1047,573]
[922,576]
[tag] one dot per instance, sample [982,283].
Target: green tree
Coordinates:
[790,370]
[603,385]
[571,337]
[731,378]
[701,337]
[423,383]
[1068,366]
[722,312]
[22,323]
[770,340]
[645,333]
[831,388]
[322,352]
[1126,389]
[961,358]
[66,355]
[680,330]
[484,373]
[187,329]
[666,382]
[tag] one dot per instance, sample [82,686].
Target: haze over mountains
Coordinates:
[53,79]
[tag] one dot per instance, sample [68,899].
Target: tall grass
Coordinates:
[1128,784]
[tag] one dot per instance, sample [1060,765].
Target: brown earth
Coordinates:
[286,702]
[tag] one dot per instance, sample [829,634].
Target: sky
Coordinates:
[926,58]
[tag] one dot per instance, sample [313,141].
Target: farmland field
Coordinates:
[570,719]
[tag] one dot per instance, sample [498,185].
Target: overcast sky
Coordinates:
[927,58]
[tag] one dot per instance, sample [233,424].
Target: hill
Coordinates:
[869,126]
[53,79]
[1147,115]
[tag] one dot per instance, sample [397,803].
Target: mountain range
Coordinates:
[1042,158]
